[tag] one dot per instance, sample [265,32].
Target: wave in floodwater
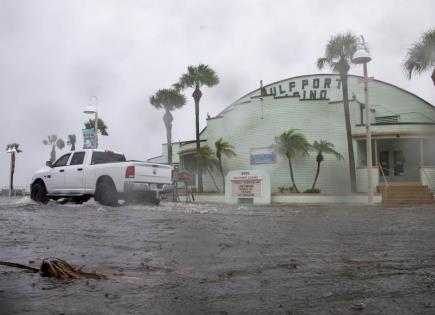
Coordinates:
[15,201]
[170,207]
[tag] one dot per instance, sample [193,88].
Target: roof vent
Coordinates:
[394,119]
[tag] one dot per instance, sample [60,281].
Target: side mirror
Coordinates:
[49,163]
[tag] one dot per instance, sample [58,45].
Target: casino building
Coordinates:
[402,125]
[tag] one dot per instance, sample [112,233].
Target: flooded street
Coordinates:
[220,259]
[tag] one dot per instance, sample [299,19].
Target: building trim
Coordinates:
[393,134]
[398,123]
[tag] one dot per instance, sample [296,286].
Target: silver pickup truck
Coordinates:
[104,175]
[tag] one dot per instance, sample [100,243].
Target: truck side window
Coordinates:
[62,160]
[77,158]
[106,157]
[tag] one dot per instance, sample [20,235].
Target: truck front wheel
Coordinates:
[106,194]
[38,193]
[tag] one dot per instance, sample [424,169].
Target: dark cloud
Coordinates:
[56,54]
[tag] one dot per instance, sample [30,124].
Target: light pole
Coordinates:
[12,149]
[91,109]
[361,56]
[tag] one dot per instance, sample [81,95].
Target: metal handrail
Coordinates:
[429,180]
[383,175]
[385,180]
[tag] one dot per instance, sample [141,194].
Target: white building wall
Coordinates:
[252,122]
[246,127]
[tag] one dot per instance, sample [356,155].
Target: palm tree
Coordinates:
[421,56]
[338,53]
[12,148]
[169,100]
[54,142]
[226,149]
[291,144]
[102,127]
[72,141]
[196,77]
[323,147]
[208,162]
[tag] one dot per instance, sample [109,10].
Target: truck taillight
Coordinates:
[129,172]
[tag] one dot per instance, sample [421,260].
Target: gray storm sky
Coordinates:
[54,55]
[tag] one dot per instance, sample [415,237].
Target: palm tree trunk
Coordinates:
[214,181]
[167,119]
[343,77]
[196,97]
[168,139]
[73,146]
[291,174]
[53,154]
[222,173]
[317,175]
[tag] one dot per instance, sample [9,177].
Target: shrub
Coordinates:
[312,191]
[287,189]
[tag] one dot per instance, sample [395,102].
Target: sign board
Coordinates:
[252,186]
[246,186]
[262,156]
[88,138]
[307,88]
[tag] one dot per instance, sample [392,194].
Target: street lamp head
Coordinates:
[90,109]
[361,56]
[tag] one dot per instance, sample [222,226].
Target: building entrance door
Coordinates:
[398,165]
[393,164]
[384,160]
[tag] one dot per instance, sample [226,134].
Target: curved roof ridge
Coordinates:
[324,74]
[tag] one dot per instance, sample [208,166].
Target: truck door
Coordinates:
[74,173]
[55,182]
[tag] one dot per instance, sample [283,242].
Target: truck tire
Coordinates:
[106,194]
[38,193]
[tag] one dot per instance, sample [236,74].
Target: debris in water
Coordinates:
[358,306]
[57,268]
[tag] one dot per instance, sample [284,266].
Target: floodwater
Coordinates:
[220,259]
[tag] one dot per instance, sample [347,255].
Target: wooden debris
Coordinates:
[16,265]
[57,268]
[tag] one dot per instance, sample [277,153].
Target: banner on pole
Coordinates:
[88,138]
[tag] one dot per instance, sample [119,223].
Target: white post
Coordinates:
[421,152]
[368,138]
[376,153]
[10,175]
[96,129]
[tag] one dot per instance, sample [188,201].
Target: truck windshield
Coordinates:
[106,157]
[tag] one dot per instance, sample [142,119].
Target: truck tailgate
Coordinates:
[153,173]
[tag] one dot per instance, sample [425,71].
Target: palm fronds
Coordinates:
[421,55]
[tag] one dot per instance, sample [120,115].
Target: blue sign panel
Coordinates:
[262,156]
[88,138]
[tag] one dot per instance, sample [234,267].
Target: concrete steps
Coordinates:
[406,193]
